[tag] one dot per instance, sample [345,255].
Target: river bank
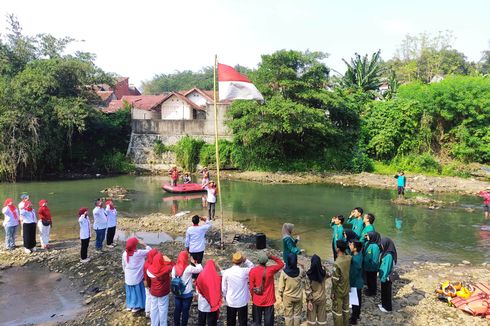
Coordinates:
[415,183]
[101,283]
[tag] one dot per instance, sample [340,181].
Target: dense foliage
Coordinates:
[187,151]
[180,80]
[48,117]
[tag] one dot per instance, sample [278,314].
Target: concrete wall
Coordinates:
[138,114]
[197,98]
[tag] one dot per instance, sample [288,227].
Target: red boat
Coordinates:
[183,188]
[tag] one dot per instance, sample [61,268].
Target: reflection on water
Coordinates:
[150,238]
[445,234]
[35,297]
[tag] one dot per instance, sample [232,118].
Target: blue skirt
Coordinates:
[135,296]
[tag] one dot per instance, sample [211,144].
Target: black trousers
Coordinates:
[211,210]
[84,248]
[386,295]
[231,314]
[266,312]
[29,235]
[356,310]
[207,318]
[110,235]
[372,283]
[334,252]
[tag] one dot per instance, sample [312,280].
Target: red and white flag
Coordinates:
[235,86]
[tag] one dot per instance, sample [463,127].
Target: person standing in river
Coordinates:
[10,222]
[100,224]
[401,184]
[288,242]
[84,223]
[111,214]
[44,224]
[486,202]
[29,222]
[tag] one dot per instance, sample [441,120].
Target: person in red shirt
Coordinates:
[174,175]
[486,201]
[158,280]
[261,282]
[45,223]
[149,260]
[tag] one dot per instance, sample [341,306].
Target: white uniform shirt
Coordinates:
[84,227]
[211,194]
[235,285]
[195,237]
[202,303]
[9,219]
[28,217]
[133,270]
[111,216]
[187,276]
[100,219]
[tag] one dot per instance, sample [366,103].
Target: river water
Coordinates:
[447,234]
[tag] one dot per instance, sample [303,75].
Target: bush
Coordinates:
[360,161]
[116,163]
[159,147]
[424,163]
[207,156]
[187,152]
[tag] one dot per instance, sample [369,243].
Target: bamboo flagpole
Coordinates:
[222,244]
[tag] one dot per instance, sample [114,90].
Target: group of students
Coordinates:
[361,253]
[25,215]
[104,225]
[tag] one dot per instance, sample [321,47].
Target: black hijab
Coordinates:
[388,247]
[374,237]
[316,272]
[291,268]
[350,235]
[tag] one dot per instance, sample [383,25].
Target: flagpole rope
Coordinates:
[222,244]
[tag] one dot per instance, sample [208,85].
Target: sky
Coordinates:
[140,39]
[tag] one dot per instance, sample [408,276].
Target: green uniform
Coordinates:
[340,290]
[367,228]
[337,234]
[386,267]
[357,226]
[355,274]
[289,246]
[371,258]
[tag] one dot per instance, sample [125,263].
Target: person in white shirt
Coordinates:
[10,222]
[212,194]
[84,223]
[29,223]
[23,199]
[236,291]
[184,271]
[100,224]
[111,213]
[133,261]
[195,237]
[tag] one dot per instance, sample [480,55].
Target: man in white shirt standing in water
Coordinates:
[236,291]
[195,238]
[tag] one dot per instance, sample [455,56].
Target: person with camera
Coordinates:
[261,283]
[235,290]
[195,237]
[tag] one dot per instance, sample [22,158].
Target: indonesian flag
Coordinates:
[235,86]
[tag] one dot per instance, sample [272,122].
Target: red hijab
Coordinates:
[82,211]
[149,258]
[131,244]
[109,202]
[9,203]
[44,212]
[159,266]
[182,263]
[208,284]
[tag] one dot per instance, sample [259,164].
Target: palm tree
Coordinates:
[363,73]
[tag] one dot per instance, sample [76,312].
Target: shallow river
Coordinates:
[447,234]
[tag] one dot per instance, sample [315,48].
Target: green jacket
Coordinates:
[337,234]
[357,225]
[367,228]
[355,274]
[289,246]
[385,268]
[340,276]
[371,258]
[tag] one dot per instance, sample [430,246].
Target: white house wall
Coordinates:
[197,98]
[139,114]
[176,109]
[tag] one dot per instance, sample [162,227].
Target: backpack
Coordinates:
[177,286]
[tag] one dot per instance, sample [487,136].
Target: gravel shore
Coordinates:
[101,281]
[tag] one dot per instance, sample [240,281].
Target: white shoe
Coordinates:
[85,260]
[382,309]
[135,310]
[27,251]
[34,249]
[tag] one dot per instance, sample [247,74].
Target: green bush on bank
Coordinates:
[207,156]
[116,163]
[187,152]
[426,164]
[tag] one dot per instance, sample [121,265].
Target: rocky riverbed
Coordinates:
[415,183]
[101,283]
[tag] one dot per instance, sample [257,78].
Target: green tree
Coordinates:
[363,73]
[180,80]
